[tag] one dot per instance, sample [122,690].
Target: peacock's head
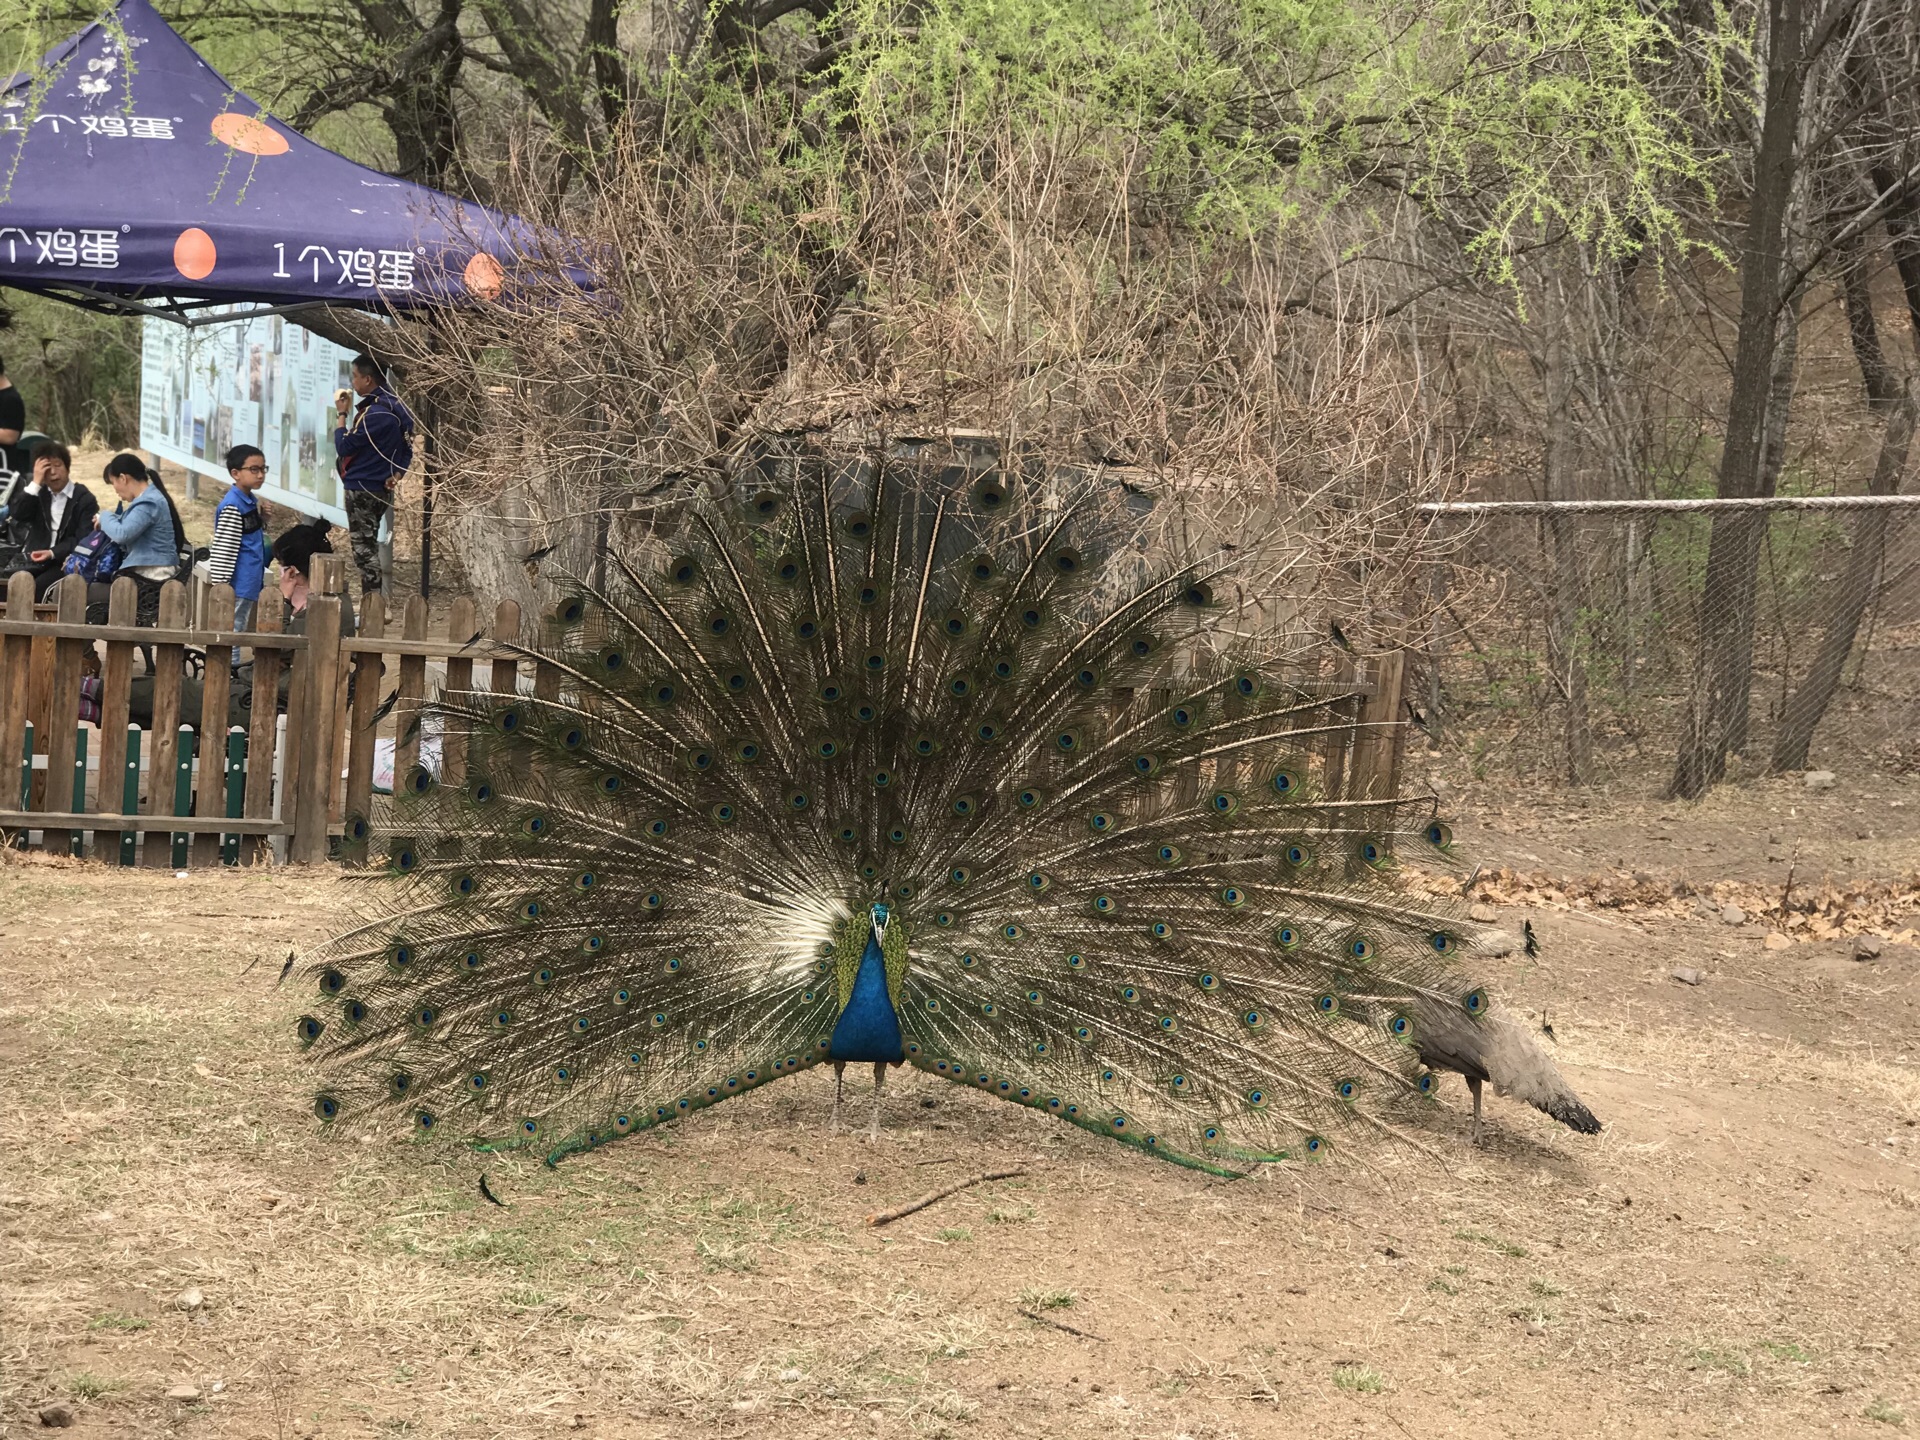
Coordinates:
[879,915]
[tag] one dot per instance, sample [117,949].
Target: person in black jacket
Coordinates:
[52,513]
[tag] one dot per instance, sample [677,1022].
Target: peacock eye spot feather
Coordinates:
[530,1126]
[1439,834]
[1029,799]
[612,660]
[1400,1027]
[1168,1023]
[786,570]
[1169,854]
[897,835]
[1231,896]
[860,525]
[683,570]
[981,569]
[876,661]
[1083,1035]
[868,595]
[1100,822]
[990,494]
[1347,1089]
[963,806]
[1474,1002]
[357,828]
[570,611]
[1105,905]
[1372,852]
[1130,994]
[960,686]
[1256,1098]
[534,826]
[652,900]
[869,871]
[657,829]
[658,1020]
[332,982]
[1248,687]
[736,682]
[1253,1019]
[1441,942]
[1426,1082]
[1011,931]
[1161,930]
[1298,856]
[1326,1004]
[746,752]
[664,693]
[1076,961]
[959,874]
[1223,802]
[479,791]
[968,961]
[399,1083]
[827,749]
[477,1081]
[807,629]
[464,885]
[943,918]
[507,720]
[1067,561]
[325,1107]
[1087,677]
[1037,881]
[989,1009]
[1034,997]
[1003,669]
[1146,765]
[986,732]
[1286,783]
[798,800]
[472,961]
[847,835]
[1066,741]
[881,779]
[1287,938]
[1032,617]
[1360,948]
[830,693]
[865,714]
[420,779]
[1198,595]
[310,1029]
[1209,981]
[766,504]
[585,880]
[404,859]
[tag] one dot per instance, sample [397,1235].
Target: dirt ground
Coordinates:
[1735,1254]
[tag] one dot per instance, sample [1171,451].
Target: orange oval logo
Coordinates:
[483,276]
[248,133]
[193,254]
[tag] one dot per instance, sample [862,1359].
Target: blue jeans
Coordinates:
[243,614]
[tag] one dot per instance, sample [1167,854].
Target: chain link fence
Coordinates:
[1568,645]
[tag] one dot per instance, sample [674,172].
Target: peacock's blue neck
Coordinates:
[867,1028]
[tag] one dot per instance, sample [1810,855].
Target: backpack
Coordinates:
[96,559]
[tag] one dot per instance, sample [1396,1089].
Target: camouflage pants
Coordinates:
[364,510]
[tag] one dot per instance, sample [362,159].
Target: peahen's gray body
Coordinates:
[908,762]
[1493,1047]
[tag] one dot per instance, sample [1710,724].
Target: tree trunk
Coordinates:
[1773,459]
[1808,704]
[1726,601]
[1883,387]
[1557,462]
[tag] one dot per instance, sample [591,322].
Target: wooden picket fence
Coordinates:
[303,780]
[190,789]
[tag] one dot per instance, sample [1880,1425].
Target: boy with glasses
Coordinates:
[238,555]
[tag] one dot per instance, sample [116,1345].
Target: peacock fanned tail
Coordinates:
[1009,709]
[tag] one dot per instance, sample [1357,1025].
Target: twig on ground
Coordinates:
[1060,1325]
[887,1217]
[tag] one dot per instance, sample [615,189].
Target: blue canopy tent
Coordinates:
[134,178]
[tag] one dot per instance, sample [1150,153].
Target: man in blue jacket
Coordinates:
[375,448]
[238,555]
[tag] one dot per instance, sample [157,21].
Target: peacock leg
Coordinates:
[1474,1086]
[839,1089]
[879,1079]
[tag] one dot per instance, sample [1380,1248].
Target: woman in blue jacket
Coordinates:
[143,526]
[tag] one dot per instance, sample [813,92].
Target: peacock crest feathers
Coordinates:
[1076,755]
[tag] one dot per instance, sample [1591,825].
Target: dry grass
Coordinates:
[1736,1251]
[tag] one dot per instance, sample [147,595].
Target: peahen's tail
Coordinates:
[1494,1047]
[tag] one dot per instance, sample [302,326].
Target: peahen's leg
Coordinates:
[839,1090]
[1474,1085]
[879,1079]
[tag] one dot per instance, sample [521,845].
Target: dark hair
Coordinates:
[52,450]
[238,456]
[296,548]
[370,367]
[131,465]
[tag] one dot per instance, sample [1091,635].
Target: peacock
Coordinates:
[930,756]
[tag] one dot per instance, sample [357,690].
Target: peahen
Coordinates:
[1003,775]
